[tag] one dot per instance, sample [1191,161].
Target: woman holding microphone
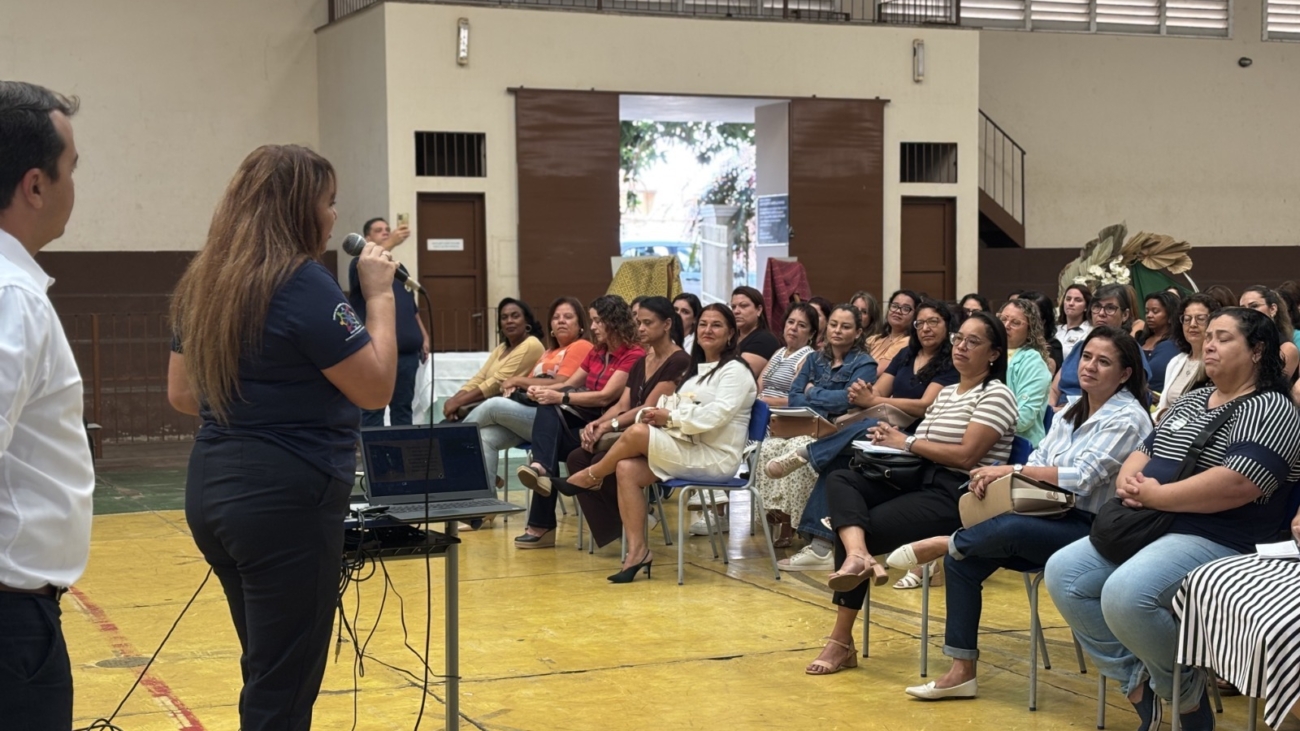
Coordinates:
[270,354]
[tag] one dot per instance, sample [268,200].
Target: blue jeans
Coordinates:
[1015,542]
[399,408]
[1123,614]
[827,455]
[502,424]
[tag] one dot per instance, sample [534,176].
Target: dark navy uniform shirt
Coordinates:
[284,398]
[410,339]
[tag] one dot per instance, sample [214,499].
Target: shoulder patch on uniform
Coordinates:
[347,319]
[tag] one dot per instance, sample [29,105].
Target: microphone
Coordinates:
[354,244]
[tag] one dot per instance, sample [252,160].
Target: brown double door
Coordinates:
[453,270]
[929,247]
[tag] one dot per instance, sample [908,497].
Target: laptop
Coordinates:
[404,464]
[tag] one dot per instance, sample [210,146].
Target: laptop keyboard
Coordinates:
[444,506]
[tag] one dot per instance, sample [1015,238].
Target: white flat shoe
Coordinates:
[928,692]
[903,557]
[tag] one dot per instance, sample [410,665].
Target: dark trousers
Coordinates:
[35,675]
[891,517]
[271,527]
[1016,542]
[399,409]
[599,507]
[811,525]
[556,433]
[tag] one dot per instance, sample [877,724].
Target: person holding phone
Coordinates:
[413,343]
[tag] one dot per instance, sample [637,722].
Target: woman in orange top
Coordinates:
[504,422]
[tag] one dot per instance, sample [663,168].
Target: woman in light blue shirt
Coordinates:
[1081,454]
[1028,376]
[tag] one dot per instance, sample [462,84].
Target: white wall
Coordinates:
[174,94]
[354,122]
[772,149]
[1169,134]
[574,50]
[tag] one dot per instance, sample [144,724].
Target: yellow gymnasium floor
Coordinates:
[547,643]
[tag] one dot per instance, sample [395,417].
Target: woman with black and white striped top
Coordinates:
[1121,613]
[801,327]
[970,424]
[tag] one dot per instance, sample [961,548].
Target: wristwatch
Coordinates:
[565,400]
[613,424]
[1017,469]
[907,444]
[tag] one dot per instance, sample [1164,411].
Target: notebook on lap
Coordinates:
[404,464]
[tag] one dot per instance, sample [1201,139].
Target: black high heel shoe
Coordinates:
[628,575]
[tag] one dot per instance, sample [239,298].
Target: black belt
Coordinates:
[52,592]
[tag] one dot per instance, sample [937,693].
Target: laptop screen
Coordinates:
[398,458]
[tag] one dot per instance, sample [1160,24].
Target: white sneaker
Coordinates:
[698,528]
[720,497]
[808,560]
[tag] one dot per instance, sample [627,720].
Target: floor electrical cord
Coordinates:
[106,724]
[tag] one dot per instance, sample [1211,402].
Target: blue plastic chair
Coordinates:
[758,421]
[1020,451]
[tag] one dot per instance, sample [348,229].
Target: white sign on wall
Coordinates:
[445,244]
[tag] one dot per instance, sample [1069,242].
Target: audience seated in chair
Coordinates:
[895,327]
[823,386]
[913,380]
[519,349]
[1082,455]
[971,424]
[506,421]
[653,377]
[699,434]
[1185,371]
[757,342]
[565,407]
[1028,376]
[1120,609]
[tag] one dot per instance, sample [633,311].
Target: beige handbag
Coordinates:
[788,423]
[1015,494]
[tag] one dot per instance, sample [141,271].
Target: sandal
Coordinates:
[846,579]
[594,482]
[822,667]
[534,480]
[912,579]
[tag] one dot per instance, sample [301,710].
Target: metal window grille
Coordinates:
[451,154]
[928,162]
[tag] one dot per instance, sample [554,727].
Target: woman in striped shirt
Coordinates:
[1121,613]
[970,424]
[1081,454]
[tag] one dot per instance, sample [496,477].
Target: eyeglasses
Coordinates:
[932,323]
[1011,322]
[896,307]
[1097,307]
[958,341]
[1198,319]
[971,310]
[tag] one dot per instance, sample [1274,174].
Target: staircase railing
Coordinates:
[1002,168]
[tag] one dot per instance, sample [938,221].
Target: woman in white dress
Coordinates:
[699,435]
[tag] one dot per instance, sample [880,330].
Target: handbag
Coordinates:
[1119,532]
[902,471]
[1016,494]
[606,441]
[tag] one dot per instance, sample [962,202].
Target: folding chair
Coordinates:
[758,420]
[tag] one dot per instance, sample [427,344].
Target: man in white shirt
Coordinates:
[46,471]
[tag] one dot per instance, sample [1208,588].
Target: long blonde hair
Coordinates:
[267,225]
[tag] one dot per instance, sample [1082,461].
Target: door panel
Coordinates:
[929,246]
[454,270]
[837,194]
[568,161]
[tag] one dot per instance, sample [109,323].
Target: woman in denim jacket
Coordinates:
[823,386]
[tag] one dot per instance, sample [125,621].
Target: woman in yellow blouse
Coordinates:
[519,350]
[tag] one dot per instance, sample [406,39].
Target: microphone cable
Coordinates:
[428,469]
[106,724]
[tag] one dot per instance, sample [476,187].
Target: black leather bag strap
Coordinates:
[1188,466]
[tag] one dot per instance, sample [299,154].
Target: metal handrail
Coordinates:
[1002,168]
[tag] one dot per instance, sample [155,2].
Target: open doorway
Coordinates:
[689,183]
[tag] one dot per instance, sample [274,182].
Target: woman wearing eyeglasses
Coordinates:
[895,328]
[1028,376]
[1110,307]
[971,424]
[974,302]
[1185,371]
